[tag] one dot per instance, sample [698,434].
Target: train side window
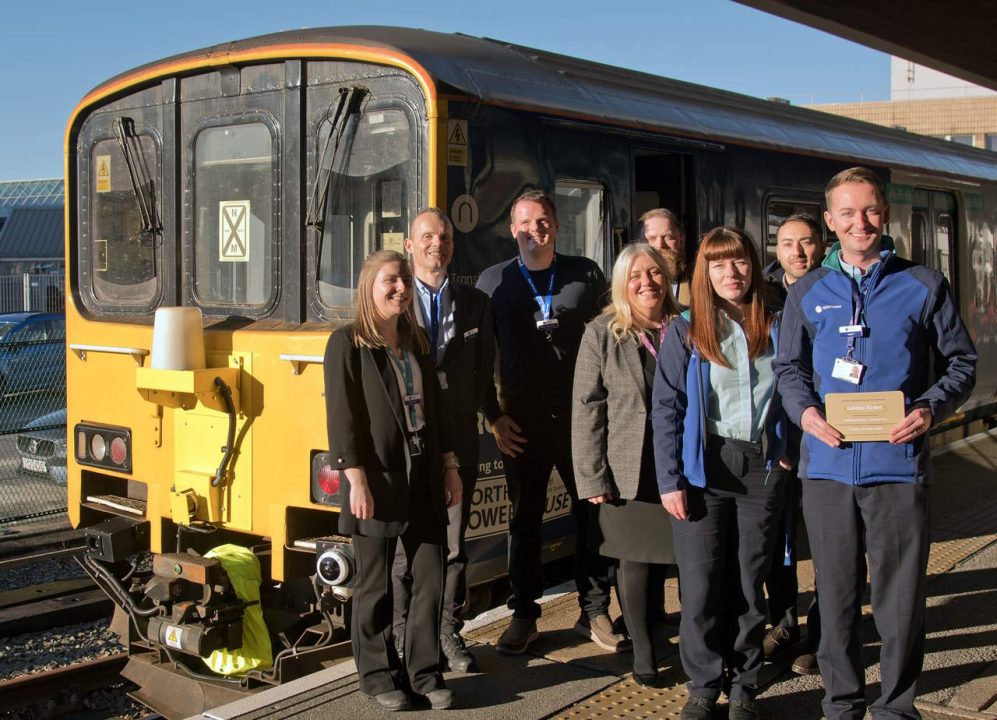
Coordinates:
[233,226]
[942,260]
[778,209]
[368,176]
[124,231]
[918,237]
[581,213]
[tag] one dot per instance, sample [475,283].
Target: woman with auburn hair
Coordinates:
[613,458]
[720,454]
[382,408]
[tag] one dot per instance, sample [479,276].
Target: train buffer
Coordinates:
[565,676]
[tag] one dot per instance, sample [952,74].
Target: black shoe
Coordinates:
[742,710]
[518,636]
[440,698]
[780,639]
[648,680]
[698,708]
[456,653]
[392,701]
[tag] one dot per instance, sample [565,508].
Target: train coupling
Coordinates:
[203,613]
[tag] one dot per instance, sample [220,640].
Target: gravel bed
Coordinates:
[58,647]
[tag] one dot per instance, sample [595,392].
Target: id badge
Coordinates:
[415,445]
[547,325]
[848,370]
[852,330]
[411,400]
[443,380]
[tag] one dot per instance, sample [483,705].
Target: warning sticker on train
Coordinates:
[103,173]
[174,636]
[457,142]
[233,231]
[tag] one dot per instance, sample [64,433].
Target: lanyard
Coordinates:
[858,313]
[404,365]
[661,338]
[434,320]
[545,304]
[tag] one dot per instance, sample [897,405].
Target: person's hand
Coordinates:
[453,487]
[361,500]
[917,422]
[813,422]
[676,504]
[507,436]
[599,499]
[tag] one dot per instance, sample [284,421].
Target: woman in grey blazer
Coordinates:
[611,437]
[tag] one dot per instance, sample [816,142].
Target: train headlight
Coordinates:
[104,446]
[334,564]
[327,483]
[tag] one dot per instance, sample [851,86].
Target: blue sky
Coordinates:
[56,50]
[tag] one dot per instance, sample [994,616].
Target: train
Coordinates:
[249,180]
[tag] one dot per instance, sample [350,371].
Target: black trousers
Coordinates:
[455,582]
[371,631]
[527,476]
[723,552]
[888,521]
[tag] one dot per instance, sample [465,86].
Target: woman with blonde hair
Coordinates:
[613,459]
[719,442]
[382,407]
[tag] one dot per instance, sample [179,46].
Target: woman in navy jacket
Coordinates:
[720,449]
[382,405]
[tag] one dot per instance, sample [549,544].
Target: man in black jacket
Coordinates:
[799,249]
[541,301]
[458,320]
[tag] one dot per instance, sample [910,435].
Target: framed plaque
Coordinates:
[864,416]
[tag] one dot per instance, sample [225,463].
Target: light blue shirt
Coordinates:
[445,314]
[739,396]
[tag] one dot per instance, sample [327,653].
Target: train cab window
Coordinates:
[582,220]
[233,216]
[365,189]
[778,209]
[123,232]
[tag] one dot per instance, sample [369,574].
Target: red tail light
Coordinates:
[328,480]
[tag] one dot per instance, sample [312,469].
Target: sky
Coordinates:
[57,50]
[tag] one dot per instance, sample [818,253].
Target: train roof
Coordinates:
[514,76]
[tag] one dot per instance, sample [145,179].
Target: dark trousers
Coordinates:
[455,582]
[371,631]
[888,521]
[782,584]
[527,476]
[723,551]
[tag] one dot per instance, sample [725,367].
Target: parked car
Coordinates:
[42,446]
[32,352]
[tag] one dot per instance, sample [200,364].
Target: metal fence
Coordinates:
[32,398]
[32,293]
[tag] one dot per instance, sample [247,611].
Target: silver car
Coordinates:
[42,446]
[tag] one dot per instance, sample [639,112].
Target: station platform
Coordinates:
[566,676]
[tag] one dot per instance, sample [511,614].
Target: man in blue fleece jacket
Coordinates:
[870,321]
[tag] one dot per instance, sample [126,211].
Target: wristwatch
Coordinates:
[451,463]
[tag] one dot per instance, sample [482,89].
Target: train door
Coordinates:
[933,232]
[661,181]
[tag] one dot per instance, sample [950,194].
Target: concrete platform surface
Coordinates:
[566,676]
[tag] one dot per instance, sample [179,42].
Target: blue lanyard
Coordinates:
[545,304]
[405,366]
[435,320]
[858,314]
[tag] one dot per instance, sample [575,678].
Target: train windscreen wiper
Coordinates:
[348,108]
[124,133]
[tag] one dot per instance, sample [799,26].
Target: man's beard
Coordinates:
[674,264]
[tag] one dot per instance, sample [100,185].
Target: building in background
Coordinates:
[32,264]
[928,102]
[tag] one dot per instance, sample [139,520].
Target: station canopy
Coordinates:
[955,37]
[30,193]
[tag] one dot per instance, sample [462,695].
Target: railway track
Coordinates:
[60,691]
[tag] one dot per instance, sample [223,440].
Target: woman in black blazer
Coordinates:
[382,400]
